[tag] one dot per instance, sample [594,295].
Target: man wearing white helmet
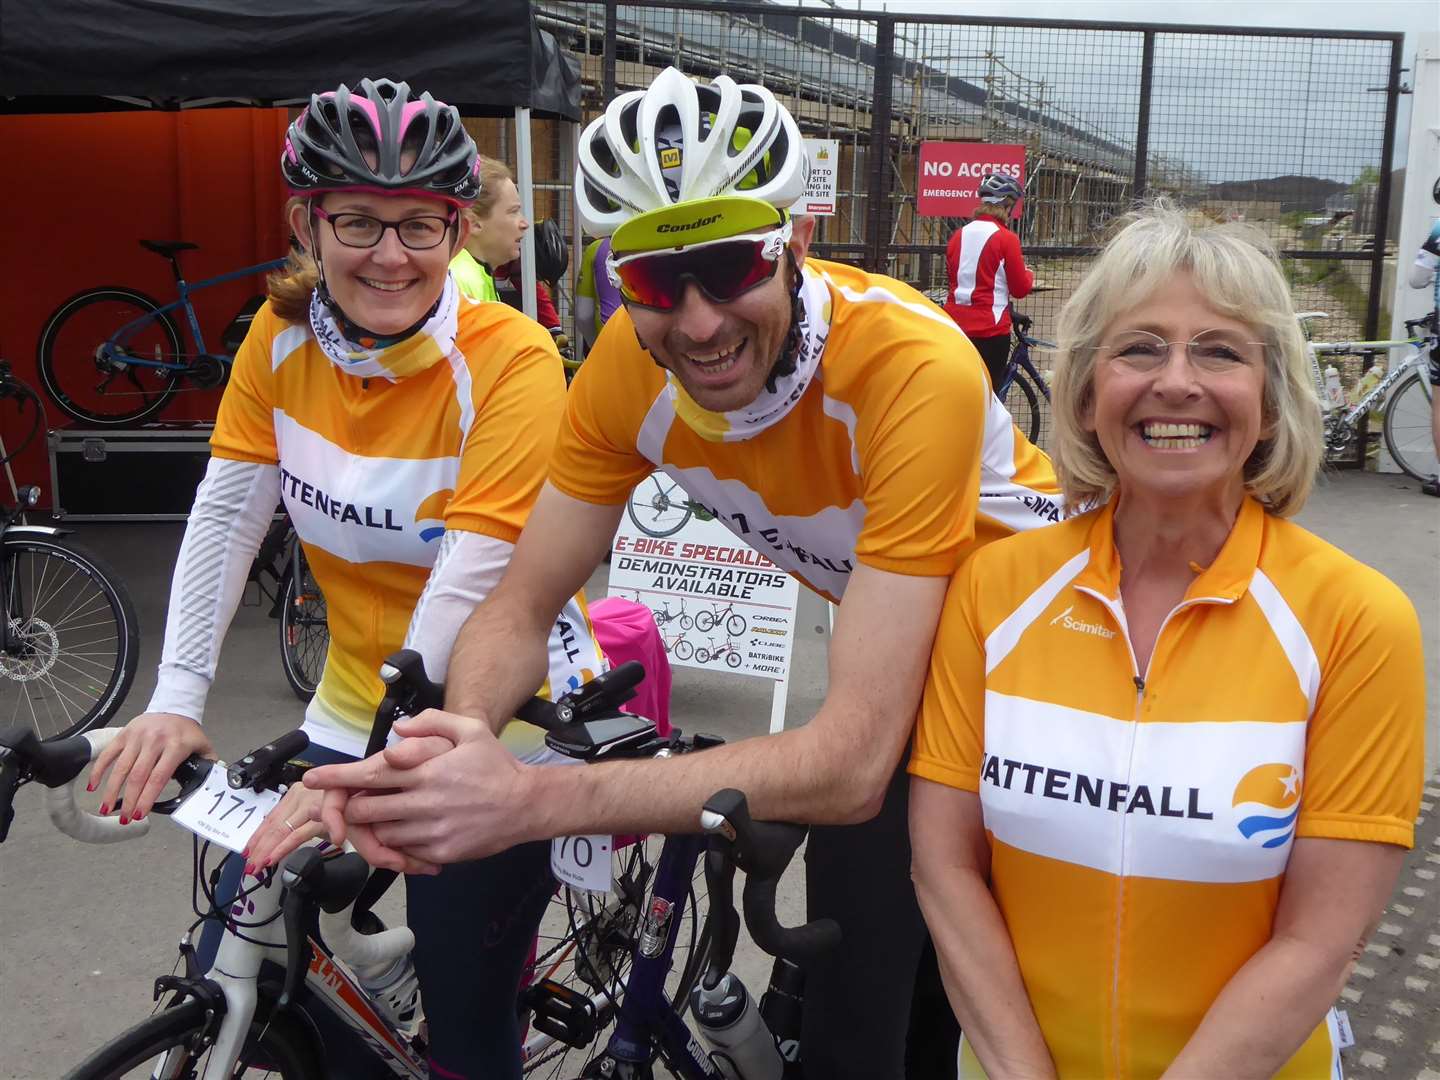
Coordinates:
[836,421]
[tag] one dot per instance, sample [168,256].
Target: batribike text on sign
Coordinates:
[950,174]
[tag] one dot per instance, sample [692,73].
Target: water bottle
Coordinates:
[395,989]
[729,1022]
[1334,392]
[780,1008]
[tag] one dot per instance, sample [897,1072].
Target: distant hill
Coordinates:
[1291,192]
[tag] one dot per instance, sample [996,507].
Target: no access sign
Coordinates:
[950,175]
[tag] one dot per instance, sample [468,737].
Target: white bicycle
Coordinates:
[1406,410]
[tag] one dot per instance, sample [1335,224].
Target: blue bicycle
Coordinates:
[113,356]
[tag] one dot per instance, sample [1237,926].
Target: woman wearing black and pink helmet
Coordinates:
[407,431]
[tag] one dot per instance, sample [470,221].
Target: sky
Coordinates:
[1228,108]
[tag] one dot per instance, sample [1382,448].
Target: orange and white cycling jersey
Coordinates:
[895,455]
[374,471]
[1140,823]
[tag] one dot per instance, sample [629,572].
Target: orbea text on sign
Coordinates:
[950,173]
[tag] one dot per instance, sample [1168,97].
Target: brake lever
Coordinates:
[724,920]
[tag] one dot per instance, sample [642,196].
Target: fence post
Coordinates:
[1142,123]
[1382,195]
[878,197]
[607,77]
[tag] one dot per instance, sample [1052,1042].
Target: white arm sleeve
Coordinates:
[233,507]
[585,319]
[467,568]
[1422,270]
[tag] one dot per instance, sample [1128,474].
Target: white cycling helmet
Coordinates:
[657,152]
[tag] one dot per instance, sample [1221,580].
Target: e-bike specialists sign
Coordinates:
[719,603]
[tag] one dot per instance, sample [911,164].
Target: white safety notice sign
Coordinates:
[718,602]
[820,189]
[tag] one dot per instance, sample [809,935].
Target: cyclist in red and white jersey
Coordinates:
[986,270]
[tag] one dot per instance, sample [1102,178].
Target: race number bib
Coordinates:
[222,815]
[582,862]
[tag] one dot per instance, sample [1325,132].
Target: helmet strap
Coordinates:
[786,361]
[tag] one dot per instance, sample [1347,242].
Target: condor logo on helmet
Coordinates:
[686,226]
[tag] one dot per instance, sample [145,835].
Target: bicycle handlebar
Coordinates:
[763,849]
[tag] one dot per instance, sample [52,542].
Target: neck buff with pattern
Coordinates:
[390,359]
[789,379]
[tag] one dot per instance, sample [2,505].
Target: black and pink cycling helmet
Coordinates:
[358,139]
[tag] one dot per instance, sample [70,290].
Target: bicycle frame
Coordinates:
[117,341]
[1020,359]
[647,1019]
[1342,422]
[236,972]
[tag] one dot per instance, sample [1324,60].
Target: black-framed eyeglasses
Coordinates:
[418,233]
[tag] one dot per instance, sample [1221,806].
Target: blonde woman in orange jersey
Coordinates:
[1169,751]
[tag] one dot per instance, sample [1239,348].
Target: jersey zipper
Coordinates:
[1140,679]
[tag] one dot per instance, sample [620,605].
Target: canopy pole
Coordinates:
[525,177]
[577,247]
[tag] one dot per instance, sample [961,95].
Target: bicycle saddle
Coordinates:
[168,248]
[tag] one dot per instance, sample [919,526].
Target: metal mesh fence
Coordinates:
[1280,129]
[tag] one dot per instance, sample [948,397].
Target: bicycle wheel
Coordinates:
[586,942]
[732,659]
[658,506]
[169,1046]
[1022,401]
[702,655]
[705,621]
[94,391]
[1408,434]
[735,625]
[684,650]
[74,640]
[304,631]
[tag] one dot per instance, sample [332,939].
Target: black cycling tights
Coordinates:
[479,920]
[859,1022]
[995,351]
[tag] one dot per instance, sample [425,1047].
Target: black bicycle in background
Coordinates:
[283,575]
[69,638]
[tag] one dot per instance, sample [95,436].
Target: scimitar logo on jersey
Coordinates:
[1267,801]
[1065,785]
[1080,626]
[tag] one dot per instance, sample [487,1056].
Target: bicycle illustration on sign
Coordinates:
[733,622]
[659,506]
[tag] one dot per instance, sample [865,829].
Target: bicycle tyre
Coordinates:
[79,662]
[275,1048]
[702,655]
[705,621]
[732,659]
[1023,403]
[63,374]
[1407,427]
[588,925]
[735,625]
[683,650]
[304,629]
